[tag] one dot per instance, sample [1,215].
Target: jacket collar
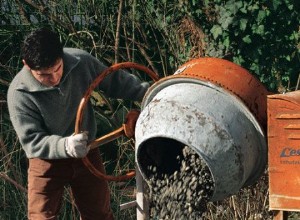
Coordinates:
[30,84]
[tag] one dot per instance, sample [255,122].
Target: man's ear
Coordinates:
[25,64]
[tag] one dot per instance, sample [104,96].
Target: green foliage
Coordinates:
[261,36]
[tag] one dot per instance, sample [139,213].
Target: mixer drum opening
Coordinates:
[164,154]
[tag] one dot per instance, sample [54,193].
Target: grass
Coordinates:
[250,203]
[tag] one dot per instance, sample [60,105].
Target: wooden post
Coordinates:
[142,210]
[280,215]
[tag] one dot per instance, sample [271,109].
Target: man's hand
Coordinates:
[76,145]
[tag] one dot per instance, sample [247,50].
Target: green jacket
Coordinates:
[44,116]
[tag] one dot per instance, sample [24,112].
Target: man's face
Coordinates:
[50,76]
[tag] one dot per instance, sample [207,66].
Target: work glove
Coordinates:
[76,145]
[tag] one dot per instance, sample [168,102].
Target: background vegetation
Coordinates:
[260,35]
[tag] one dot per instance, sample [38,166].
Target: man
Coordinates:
[43,99]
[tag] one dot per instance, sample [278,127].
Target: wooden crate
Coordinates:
[283,111]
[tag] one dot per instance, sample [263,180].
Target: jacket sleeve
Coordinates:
[35,141]
[121,84]
[33,135]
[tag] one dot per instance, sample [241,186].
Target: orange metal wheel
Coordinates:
[126,129]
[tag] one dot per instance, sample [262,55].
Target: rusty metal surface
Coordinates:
[232,77]
[284,151]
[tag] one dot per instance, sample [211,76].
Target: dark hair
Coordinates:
[41,49]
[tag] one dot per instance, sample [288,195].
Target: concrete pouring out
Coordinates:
[180,186]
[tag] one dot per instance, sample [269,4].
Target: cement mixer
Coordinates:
[214,107]
[209,105]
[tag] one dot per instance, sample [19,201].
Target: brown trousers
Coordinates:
[46,182]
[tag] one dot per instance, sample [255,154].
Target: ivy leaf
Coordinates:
[260,30]
[291,7]
[216,30]
[243,24]
[225,23]
[253,7]
[238,60]
[234,6]
[226,42]
[276,3]
[247,39]
[261,16]
[243,9]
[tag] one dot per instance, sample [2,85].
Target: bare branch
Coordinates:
[117,42]
[7,178]
[44,10]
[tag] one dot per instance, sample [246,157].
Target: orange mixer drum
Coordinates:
[284,151]
[233,78]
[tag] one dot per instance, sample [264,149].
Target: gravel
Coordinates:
[182,194]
